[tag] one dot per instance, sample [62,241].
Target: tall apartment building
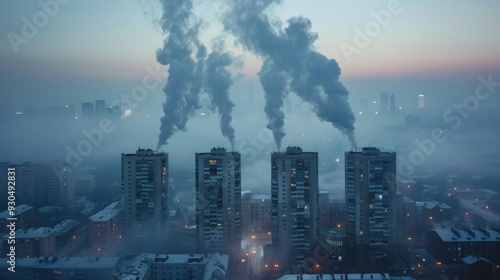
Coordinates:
[370,195]
[218,200]
[421,101]
[44,184]
[144,193]
[294,199]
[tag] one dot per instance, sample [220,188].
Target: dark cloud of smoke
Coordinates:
[190,71]
[290,57]
[185,73]
[274,84]
[218,80]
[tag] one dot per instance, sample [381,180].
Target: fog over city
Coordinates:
[471,147]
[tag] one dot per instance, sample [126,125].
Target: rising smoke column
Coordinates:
[185,73]
[274,84]
[218,80]
[289,53]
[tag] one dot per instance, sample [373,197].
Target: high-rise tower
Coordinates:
[370,195]
[218,200]
[294,199]
[421,101]
[144,193]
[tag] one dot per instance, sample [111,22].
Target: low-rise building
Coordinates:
[450,245]
[23,214]
[175,267]
[346,276]
[61,268]
[64,231]
[433,211]
[32,242]
[104,227]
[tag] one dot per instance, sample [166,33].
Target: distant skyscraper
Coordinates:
[392,104]
[370,195]
[421,101]
[87,110]
[218,200]
[100,109]
[144,193]
[294,198]
[384,103]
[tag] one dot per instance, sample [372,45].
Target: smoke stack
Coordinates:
[185,73]
[290,63]
[218,80]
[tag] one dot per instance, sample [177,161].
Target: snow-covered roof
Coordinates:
[104,215]
[350,276]
[65,226]
[20,209]
[32,233]
[468,235]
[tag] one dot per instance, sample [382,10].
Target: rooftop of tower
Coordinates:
[293,150]
[219,151]
[369,151]
[145,152]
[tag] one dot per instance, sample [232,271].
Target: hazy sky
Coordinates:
[115,39]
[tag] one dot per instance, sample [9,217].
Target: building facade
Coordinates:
[450,245]
[294,199]
[218,200]
[256,212]
[370,195]
[33,242]
[144,193]
[24,215]
[104,228]
[44,184]
[175,267]
[61,268]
